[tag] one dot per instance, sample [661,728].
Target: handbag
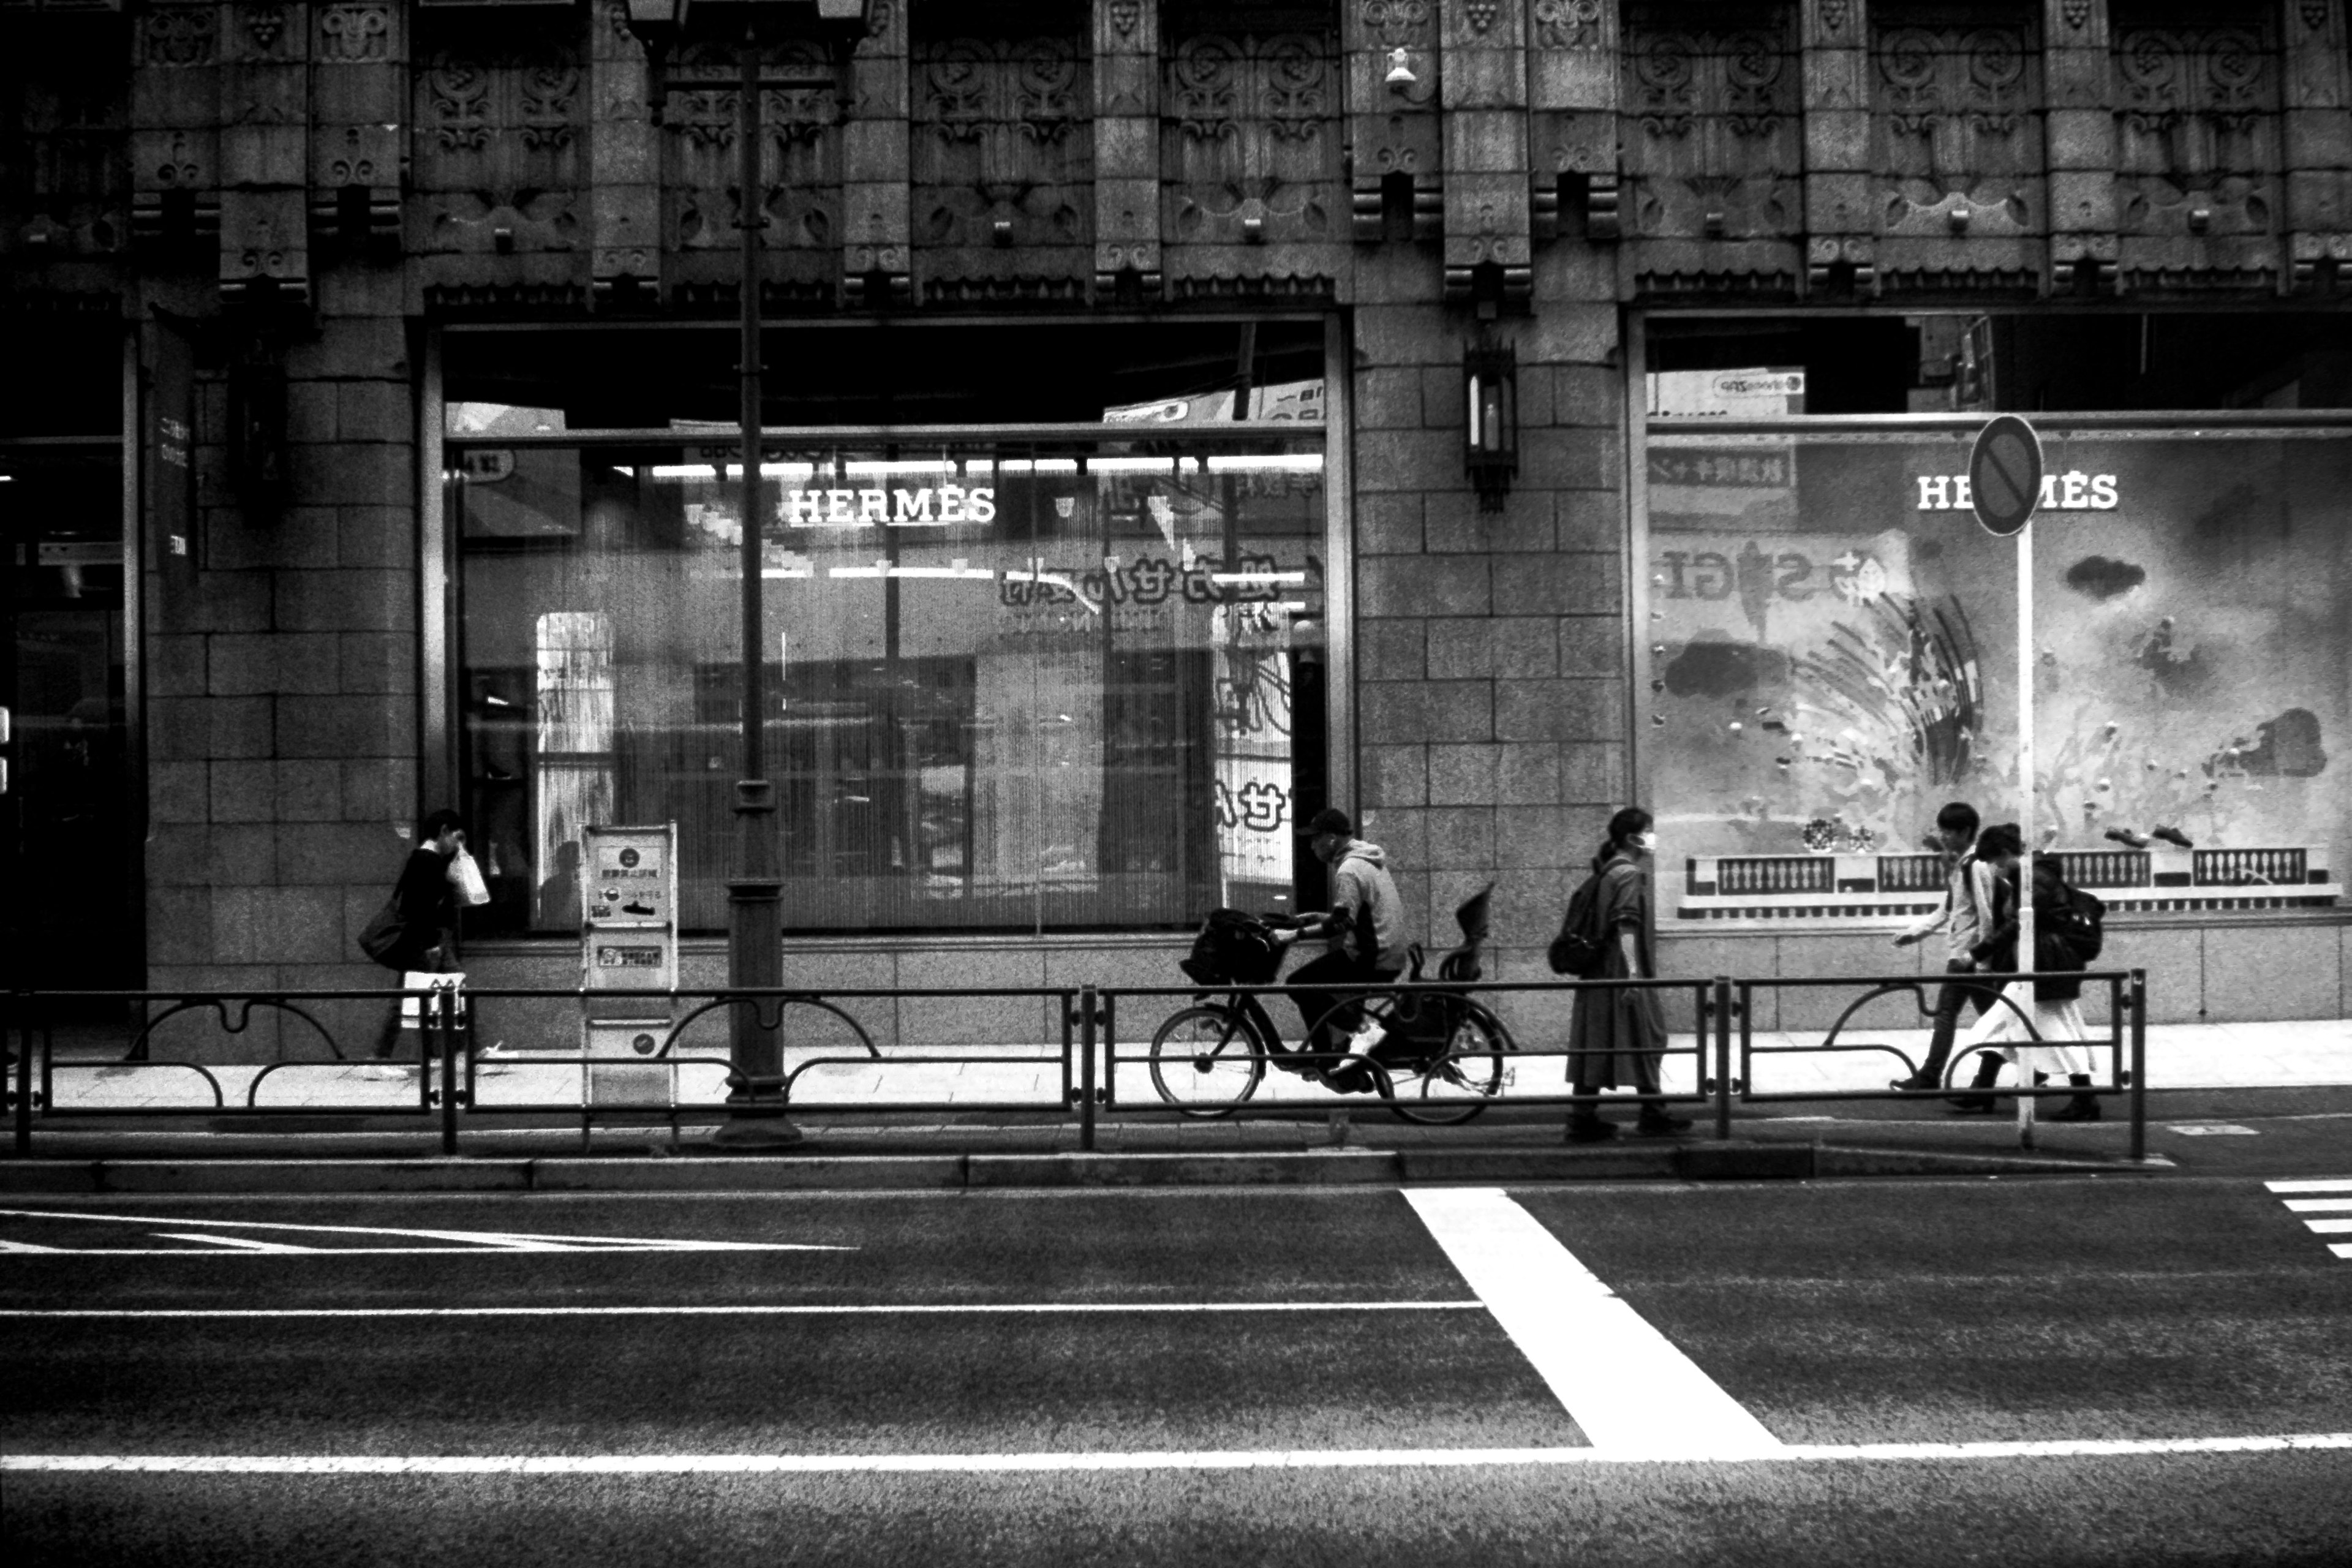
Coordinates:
[466,877]
[381,935]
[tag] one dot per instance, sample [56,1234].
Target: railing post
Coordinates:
[448,1010]
[1723,1056]
[2138,1065]
[24,1020]
[1087,1004]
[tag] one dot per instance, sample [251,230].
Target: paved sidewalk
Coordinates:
[2213,1056]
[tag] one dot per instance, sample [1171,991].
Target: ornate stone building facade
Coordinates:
[280,241]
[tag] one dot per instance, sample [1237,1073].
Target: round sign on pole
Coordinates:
[2005,474]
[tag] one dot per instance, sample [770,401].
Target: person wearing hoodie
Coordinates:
[1365,926]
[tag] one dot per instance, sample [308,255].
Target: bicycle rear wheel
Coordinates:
[1458,1082]
[1206,1061]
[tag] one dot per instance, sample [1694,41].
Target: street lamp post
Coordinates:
[755,1079]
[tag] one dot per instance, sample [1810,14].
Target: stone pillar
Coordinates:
[1839,213]
[876,200]
[265,150]
[1127,146]
[1485,90]
[2316,136]
[625,171]
[1393,127]
[1572,94]
[2080,135]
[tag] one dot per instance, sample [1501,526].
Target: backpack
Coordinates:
[2080,924]
[1581,948]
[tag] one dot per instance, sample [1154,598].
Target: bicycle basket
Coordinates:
[1233,948]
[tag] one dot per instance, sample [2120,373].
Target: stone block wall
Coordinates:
[1491,664]
[282,703]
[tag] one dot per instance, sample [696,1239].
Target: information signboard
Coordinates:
[628,940]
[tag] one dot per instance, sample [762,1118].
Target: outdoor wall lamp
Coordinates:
[1490,374]
[1400,70]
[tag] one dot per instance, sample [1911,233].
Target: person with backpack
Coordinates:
[2067,934]
[418,928]
[1366,929]
[1967,894]
[1617,1037]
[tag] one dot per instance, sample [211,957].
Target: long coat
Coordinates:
[1626,1029]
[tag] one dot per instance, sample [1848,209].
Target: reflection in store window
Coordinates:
[1011,688]
[1835,656]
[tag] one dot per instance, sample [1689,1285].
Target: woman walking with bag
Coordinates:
[417,929]
[1619,1035]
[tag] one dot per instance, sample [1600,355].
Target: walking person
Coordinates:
[1968,895]
[2058,1039]
[424,904]
[1617,1037]
[1365,926]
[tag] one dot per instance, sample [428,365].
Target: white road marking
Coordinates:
[2211,1130]
[1170,1459]
[1625,1384]
[477,1241]
[2318,1206]
[234,1243]
[2341,1249]
[2330,1185]
[748,1310]
[2330,1226]
[27,1246]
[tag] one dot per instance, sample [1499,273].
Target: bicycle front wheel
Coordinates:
[1206,1062]
[1458,1082]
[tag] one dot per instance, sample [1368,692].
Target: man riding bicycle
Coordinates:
[1365,926]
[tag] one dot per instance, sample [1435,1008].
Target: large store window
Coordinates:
[1015,684]
[1834,655]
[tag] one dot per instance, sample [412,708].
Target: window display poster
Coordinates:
[1833,647]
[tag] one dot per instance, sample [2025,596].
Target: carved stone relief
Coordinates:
[179,35]
[1002,149]
[801,162]
[1960,144]
[1567,24]
[354,35]
[1250,141]
[2196,131]
[1713,131]
[500,120]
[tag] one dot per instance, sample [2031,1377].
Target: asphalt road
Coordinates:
[1279,1377]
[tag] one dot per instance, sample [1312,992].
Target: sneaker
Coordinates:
[1590,1130]
[1913,1082]
[1973,1105]
[1660,1125]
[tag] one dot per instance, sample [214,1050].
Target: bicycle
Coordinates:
[1209,1058]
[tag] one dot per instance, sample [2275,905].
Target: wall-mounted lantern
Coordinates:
[1490,375]
[1400,70]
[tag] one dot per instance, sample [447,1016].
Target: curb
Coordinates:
[1710,1161]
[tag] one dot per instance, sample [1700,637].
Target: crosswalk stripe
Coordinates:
[1626,1385]
[1171,1459]
[2330,1226]
[2318,1206]
[2332,1185]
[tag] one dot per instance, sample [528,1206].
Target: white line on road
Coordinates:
[235,1243]
[1626,1383]
[746,1311]
[1172,1460]
[2330,1226]
[483,1240]
[2331,1185]
[2318,1206]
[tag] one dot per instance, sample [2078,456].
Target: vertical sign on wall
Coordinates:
[171,438]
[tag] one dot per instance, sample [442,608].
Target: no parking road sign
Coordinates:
[2005,474]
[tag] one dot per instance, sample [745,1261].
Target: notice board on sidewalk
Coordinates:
[628,942]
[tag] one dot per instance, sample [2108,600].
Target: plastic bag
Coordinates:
[466,877]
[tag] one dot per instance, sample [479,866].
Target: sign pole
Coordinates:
[2005,475]
[2025,663]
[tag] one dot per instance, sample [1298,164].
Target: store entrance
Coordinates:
[73,915]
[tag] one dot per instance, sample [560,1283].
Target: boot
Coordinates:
[1988,1074]
[1586,1124]
[2083,1106]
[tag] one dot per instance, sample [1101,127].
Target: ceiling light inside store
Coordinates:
[883,469]
[1257,577]
[1269,463]
[1039,465]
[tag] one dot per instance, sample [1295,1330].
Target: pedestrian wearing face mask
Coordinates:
[1618,1036]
